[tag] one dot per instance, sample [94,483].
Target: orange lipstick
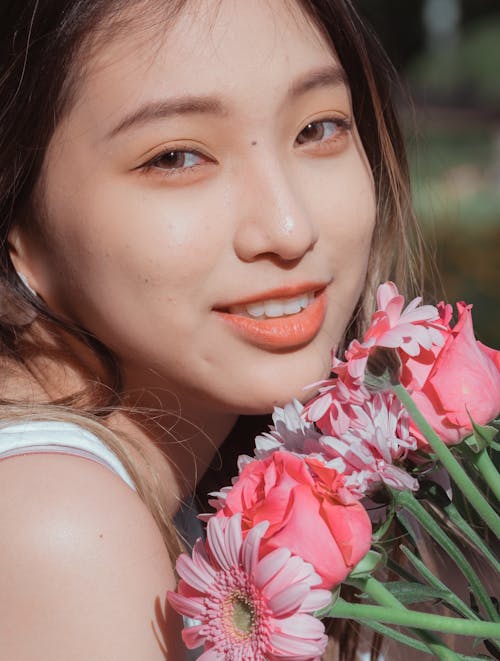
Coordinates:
[284,332]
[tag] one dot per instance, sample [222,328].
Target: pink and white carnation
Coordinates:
[377,440]
[249,605]
[291,433]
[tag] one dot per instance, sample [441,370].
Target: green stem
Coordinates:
[399,637]
[451,598]
[466,529]
[415,619]
[379,593]
[407,500]
[457,473]
[482,461]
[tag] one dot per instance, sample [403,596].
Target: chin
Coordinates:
[279,381]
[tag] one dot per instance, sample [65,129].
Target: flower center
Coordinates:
[239,614]
[243,614]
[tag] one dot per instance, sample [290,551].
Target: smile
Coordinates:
[274,307]
[279,322]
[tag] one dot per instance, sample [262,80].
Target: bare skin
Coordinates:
[152,223]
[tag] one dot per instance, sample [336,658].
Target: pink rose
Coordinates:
[309,510]
[450,382]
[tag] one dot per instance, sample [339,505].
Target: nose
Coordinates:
[272,217]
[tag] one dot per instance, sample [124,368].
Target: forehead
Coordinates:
[224,46]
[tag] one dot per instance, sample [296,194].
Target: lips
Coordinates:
[280,319]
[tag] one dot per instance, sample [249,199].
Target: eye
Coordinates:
[175,161]
[324,130]
[177,165]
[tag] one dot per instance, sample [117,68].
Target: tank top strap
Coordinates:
[46,436]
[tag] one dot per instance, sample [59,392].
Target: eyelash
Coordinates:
[342,126]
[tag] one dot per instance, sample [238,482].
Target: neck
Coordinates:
[187,439]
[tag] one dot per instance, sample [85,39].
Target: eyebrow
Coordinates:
[329,76]
[186,105]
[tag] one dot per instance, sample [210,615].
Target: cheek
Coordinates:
[124,251]
[346,209]
[136,234]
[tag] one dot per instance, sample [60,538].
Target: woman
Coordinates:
[198,200]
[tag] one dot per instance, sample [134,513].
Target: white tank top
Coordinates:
[37,436]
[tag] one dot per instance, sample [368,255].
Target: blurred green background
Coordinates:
[448,55]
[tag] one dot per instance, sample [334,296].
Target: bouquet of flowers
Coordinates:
[405,425]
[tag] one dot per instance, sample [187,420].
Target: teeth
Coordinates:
[273,307]
[254,309]
[294,306]
[305,299]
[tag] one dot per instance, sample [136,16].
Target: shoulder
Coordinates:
[85,570]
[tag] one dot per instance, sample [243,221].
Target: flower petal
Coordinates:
[190,606]
[251,546]
[315,600]
[193,574]
[303,626]
[212,655]
[296,648]
[217,541]
[192,637]
[288,600]
[270,565]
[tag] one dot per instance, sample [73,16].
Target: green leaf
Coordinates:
[496,423]
[481,437]
[414,593]
[378,534]
[371,561]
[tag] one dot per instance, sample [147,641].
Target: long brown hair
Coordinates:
[42,47]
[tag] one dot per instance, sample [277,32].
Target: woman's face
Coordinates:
[206,185]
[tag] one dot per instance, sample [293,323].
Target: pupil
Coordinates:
[172,159]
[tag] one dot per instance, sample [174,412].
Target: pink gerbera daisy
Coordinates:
[249,608]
